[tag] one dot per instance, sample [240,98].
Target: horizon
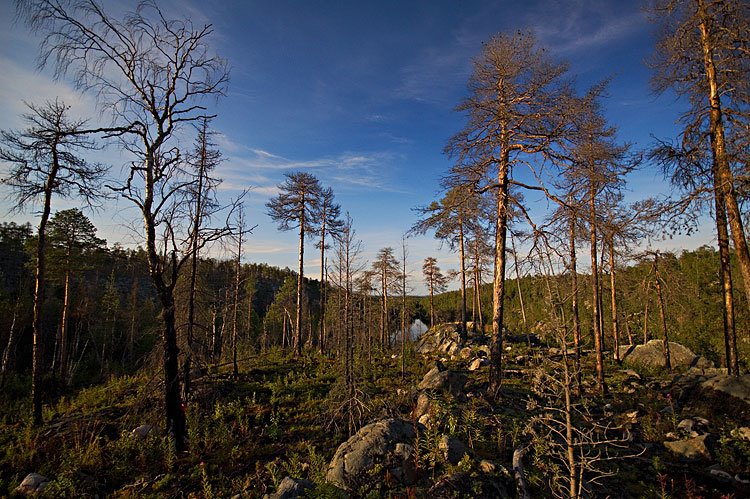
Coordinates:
[362,96]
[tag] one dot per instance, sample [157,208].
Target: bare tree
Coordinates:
[44,162]
[297,206]
[452,218]
[515,108]
[436,282]
[405,335]
[703,52]
[153,74]
[329,224]
[204,160]
[385,267]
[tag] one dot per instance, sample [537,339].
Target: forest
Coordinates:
[565,356]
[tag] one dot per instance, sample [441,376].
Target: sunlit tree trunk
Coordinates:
[498,287]
[613,295]
[719,153]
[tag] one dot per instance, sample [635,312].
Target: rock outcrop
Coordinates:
[652,355]
[34,483]
[442,339]
[379,448]
[736,386]
[441,379]
[290,488]
[692,448]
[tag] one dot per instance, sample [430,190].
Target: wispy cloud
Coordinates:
[570,27]
[261,170]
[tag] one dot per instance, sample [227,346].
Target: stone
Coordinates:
[652,354]
[442,338]
[631,375]
[33,483]
[743,433]
[632,416]
[693,426]
[291,488]
[720,474]
[465,353]
[692,448]
[440,379]
[142,431]
[487,466]
[477,363]
[387,444]
[423,405]
[453,449]
[736,386]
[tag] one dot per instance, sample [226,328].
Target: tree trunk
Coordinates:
[596,297]
[463,276]
[613,294]
[11,339]
[322,333]
[647,287]
[576,317]
[238,268]
[174,410]
[300,283]
[63,347]
[569,434]
[498,285]
[730,335]
[718,149]
[518,285]
[404,331]
[39,284]
[663,316]
[431,287]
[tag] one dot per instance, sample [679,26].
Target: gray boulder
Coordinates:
[423,405]
[652,355]
[736,386]
[453,449]
[692,448]
[478,363]
[388,443]
[33,483]
[290,488]
[142,431]
[441,339]
[440,379]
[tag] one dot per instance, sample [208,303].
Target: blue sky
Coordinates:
[361,94]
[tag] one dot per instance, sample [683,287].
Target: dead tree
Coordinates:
[43,162]
[153,75]
[297,206]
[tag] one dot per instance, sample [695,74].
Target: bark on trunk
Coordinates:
[322,334]
[596,296]
[613,295]
[300,283]
[11,340]
[720,159]
[576,317]
[238,268]
[463,276]
[498,286]
[39,285]
[663,316]
[730,335]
